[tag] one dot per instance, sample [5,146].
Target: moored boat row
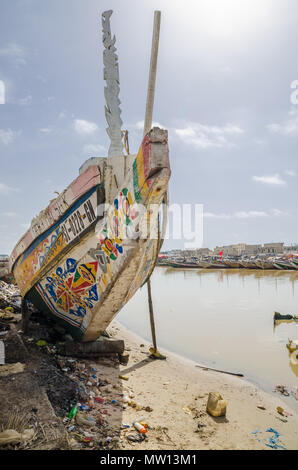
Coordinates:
[217,262]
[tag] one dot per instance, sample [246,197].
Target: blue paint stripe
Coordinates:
[53,227]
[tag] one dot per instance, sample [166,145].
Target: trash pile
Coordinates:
[10,297]
[4,270]
[96,421]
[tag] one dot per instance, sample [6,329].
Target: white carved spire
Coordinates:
[112,89]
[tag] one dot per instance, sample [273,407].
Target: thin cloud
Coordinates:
[250,214]
[246,214]
[5,189]
[46,130]
[290,172]
[288,127]
[26,101]
[2,92]
[274,180]
[211,215]
[9,214]
[140,125]
[203,136]
[7,136]
[279,213]
[15,54]
[83,127]
[94,149]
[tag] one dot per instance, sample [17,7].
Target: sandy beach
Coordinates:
[177,392]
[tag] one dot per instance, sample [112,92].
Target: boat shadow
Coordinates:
[144,362]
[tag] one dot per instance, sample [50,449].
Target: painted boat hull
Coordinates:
[84,268]
[249,264]
[182,265]
[283,266]
[294,264]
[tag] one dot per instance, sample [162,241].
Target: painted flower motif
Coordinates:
[74,289]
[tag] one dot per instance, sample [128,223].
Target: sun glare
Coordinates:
[227,17]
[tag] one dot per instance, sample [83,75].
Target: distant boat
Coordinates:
[294,263]
[217,264]
[203,263]
[84,255]
[283,264]
[230,263]
[249,263]
[264,264]
[181,264]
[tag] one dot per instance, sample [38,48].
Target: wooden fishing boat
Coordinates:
[249,264]
[88,252]
[294,262]
[182,264]
[264,264]
[283,264]
[231,263]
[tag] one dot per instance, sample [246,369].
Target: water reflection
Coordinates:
[223,318]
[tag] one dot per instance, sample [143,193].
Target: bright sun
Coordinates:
[227,17]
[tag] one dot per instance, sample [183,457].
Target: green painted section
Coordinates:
[136,182]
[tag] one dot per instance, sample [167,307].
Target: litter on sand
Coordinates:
[273,442]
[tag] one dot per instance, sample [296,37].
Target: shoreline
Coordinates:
[177,391]
[266,386]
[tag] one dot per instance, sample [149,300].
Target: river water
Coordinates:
[223,319]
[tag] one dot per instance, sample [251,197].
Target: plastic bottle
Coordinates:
[72,412]
[139,427]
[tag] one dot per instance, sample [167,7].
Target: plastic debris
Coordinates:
[273,442]
[139,427]
[282,389]
[83,420]
[73,412]
[187,410]
[123,377]
[216,406]
[10,436]
[283,412]
[10,296]
[134,437]
[99,399]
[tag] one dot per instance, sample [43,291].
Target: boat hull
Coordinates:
[84,277]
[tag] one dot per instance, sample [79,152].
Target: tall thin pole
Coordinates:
[147,127]
[152,75]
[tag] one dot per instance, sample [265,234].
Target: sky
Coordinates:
[223,91]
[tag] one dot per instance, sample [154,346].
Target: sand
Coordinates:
[177,391]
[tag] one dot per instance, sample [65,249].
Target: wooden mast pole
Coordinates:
[147,128]
[152,75]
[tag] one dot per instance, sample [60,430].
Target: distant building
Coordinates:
[291,249]
[204,252]
[273,248]
[238,250]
